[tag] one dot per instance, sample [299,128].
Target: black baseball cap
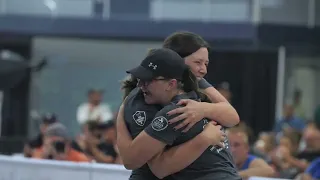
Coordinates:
[160,62]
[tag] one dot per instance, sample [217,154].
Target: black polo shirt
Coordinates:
[214,163]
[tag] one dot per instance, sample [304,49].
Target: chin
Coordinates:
[149,101]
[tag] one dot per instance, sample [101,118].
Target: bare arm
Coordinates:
[214,95]
[223,113]
[135,153]
[193,111]
[301,164]
[257,167]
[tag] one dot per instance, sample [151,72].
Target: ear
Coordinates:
[172,83]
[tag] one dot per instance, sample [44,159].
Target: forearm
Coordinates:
[135,153]
[214,95]
[177,158]
[258,171]
[302,165]
[222,112]
[124,141]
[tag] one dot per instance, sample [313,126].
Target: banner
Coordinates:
[32,169]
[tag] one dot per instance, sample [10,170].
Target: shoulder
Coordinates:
[204,84]
[78,156]
[134,97]
[135,92]
[252,156]
[166,109]
[104,106]
[257,162]
[83,106]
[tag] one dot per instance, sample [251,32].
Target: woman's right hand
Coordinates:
[213,135]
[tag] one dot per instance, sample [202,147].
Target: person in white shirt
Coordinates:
[94,110]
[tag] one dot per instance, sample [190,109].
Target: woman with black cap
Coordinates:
[164,78]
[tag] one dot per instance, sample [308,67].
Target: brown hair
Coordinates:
[128,84]
[185,43]
[190,83]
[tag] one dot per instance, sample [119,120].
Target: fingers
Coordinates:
[189,126]
[176,111]
[218,127]
[213,122]
[221,145]
[183,102]
[181,125]
[178,118]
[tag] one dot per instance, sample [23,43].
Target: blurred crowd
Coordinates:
[95,143]
[290,150]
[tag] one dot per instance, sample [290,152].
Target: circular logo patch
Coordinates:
[159,123]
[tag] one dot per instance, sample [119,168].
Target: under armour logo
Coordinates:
[154,67]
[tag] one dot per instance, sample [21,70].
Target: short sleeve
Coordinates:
[204,84]
[160,128]
[314,168]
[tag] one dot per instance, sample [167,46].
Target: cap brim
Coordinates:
[141,73]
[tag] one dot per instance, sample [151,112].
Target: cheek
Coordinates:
[195,69]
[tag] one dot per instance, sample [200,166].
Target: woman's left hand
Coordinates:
[190,114]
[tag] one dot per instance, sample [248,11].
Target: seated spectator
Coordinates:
[289,121]
[289,162]
[314,169]
[94,110]
[57,146]
[247,164]
[265,144]
[311,136]
[252,150]
[97,142]
[38,140]
[312,172]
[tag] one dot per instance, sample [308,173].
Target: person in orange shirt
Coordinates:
[57,146]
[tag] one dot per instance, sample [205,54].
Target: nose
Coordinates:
[203,69]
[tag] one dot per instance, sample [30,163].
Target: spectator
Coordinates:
[289,121]
[37,142]
[299,111]
[288,160]
[313,171]
[95,144]
[57,146]
[265,143]
[94,110]
[311,136]
[247,164]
